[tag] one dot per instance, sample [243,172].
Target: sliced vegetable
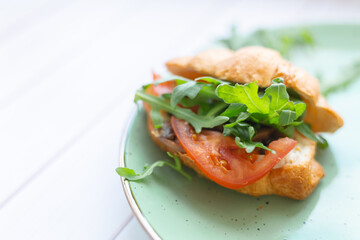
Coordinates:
[161,88]
[220,158]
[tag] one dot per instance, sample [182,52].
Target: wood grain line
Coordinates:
[122,227]
[32,18]
[105,112]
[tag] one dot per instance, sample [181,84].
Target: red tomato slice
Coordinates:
[161,88]
[155,76]
[221,160]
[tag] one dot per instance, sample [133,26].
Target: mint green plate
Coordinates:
[171,207]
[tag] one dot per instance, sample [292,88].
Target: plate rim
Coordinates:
[134,110]
[125,183]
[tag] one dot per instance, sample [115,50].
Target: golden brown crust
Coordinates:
[263,65]
[293,179]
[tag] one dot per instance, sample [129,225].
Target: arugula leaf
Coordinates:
[244,133]
[130,174]
[286,117]
[266,109]
[156,117]
[234,41]
[197,121]
[352,75]
[203,98]
[212,80]
[288,130]
[305,130]
[240,118]
[282,110]
[299,108]
[246,94]
[250,146]
[274,109]
[284,43]
[243,130]
[277,94]
[234,110]
[189,89]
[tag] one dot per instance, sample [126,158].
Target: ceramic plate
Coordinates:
[171,207]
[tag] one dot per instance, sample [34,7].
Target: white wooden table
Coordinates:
[68,71]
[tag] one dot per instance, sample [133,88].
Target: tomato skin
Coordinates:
[155,76]
[161,88]
[222,161]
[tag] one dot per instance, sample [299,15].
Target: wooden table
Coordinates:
[68,72]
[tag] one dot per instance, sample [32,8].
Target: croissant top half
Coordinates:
[261,64]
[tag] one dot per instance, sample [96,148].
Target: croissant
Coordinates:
[298,173]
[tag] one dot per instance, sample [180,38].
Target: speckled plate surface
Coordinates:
[171,207]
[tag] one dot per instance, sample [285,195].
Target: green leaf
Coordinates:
[197,121]
[274,109]
[266,109]
[243,133]
[218,107]
[298,107]
[234,110]
[212,80]
[307,37]
[250,146]
[156,117]
[234,41]
[246,94]
[204,108]
[277,94]
[130,174]
[288,130]
[126,172]
[349,76]
[284,43]
[189,89]
[242,130]
[305,130]
[240,118]
[286,117]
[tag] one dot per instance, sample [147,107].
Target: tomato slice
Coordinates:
[221,160]
[161,88]
[155,76]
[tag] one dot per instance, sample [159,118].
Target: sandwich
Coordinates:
[247,120]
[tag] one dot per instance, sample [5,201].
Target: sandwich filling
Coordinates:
[235,133]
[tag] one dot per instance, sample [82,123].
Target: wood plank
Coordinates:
[43,48]
[53,165]
[17,15]
[79,196]
[133,231]
[39,124]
